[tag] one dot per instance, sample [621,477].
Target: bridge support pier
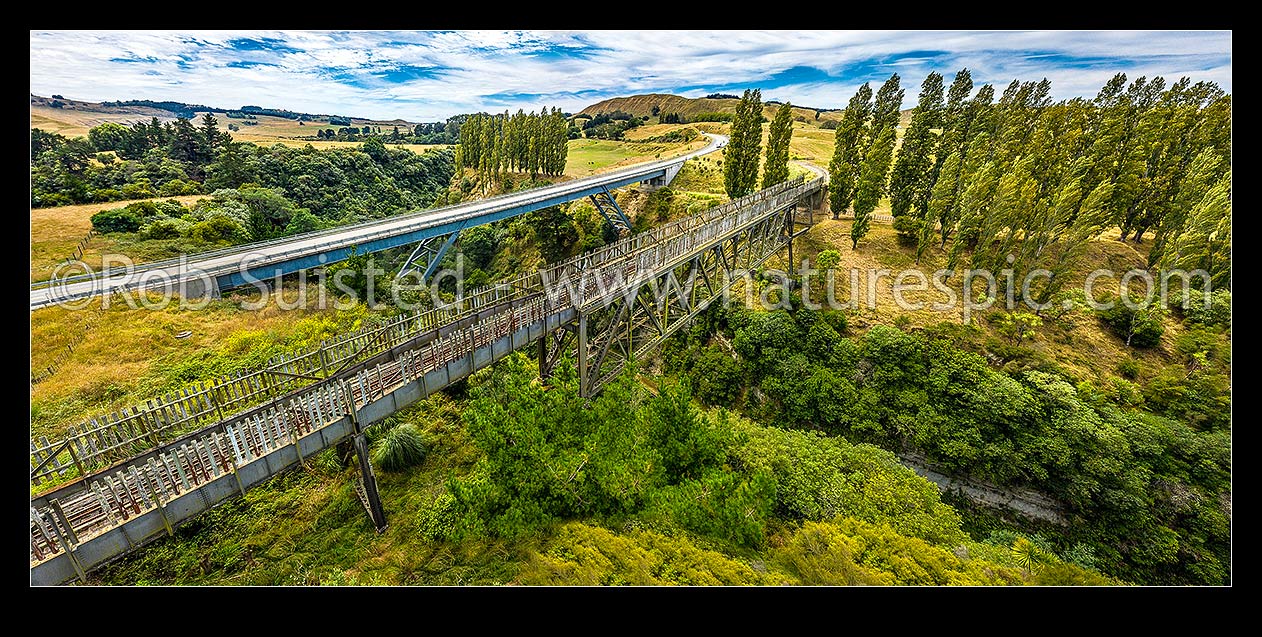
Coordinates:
[427,255]
[552,346]
[368,483]
[584,381]
[367,487]
[344,451]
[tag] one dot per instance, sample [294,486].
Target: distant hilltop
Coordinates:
[694,108]
[655,104]
[166,110]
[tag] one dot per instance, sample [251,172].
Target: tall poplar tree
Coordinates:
[740,158]
[776,167]
[871,184]
[849,143]
[885,109]
[910,180]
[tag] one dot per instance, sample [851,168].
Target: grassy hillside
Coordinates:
[73,118]
[590,156]
[56,231]
[642,105]
[867,519]
[131,354]
[76,122]
[267,130]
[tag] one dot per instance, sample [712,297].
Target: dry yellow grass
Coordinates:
[279,127]
[642,105]
[73,123]
[812,144]
[264,140]
[591,156]
[652,130]
[1088,350]
[114,363]
[278,130]
[72,222]
[266,131]
[56,231]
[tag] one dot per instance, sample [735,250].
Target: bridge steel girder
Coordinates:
[254,274]
[433,256]
[553,346]
[636,322]
[604,203]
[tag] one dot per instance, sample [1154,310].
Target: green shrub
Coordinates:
[116,220]
[1018,326]
[1201,399]
[716,378]
[819,478]
[440,519]
[399,448]
[1138,327]
[1128,368]
[163,229]
[302,221]
[171,208]
[106,194]
[479,245]
[827,259]
[908,229]
[725,505]
[579,554]
[139,190]
[1218,312]
[835,319]
[219,229]
[172,188]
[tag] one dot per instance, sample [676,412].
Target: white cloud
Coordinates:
[346,72]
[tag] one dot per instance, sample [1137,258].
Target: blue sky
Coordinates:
[425,76]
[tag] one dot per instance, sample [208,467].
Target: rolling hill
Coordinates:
[74,117]
[642,105]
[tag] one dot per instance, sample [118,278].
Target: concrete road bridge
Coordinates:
[431,231]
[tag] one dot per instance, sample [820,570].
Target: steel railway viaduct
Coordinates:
[117,482]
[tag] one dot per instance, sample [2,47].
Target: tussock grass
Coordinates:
[399,448]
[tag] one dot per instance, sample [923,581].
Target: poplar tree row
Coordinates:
[862,154]
[534,143]
[1035,180]
[740,159]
